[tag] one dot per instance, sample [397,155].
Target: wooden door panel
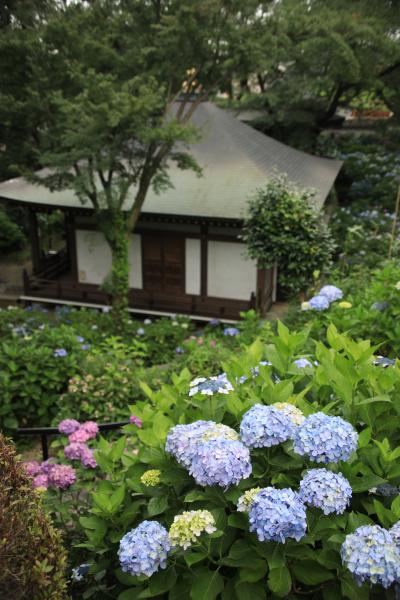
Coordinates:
[164,263]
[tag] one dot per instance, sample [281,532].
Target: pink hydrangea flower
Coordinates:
[62,476]
[40,481]
[135,420]
[74,451]
[32,468]
[91,427]
[68,426]
[80,435]
[88,459]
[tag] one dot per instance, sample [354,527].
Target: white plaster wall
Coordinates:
[94,258]
[192,266]
[230,275]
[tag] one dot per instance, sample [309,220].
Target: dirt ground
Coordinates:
[11,268]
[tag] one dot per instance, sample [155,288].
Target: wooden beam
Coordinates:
[204,261]
[35,241]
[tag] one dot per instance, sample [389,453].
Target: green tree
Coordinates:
[322,55]
[104,78]
[285,228]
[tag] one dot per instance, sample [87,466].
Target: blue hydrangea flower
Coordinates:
[264,426]
[80,339]
[78,573]
[395,533]
[214,322]
[382,361]
[331,292]
[276,515]
[370,554]
[144,550]
[140,331]
[325,439]
[231,331]
[179,350]
[380,306]
[302,363]
[60,352]
[213,385]
[183,440]
[331,492]
[319,302]
[221,462]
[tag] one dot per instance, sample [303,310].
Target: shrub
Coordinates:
[32,559]
[11,237]
[232,562]
[286,229]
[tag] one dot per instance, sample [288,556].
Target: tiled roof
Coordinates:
[236,160]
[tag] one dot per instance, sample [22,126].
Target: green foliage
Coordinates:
[33,561]
[374,312]
[231,562]
[284,228]
[11,236]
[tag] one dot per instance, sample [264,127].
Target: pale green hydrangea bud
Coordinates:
[220,431]
[291,411]
[246,499]
[151,478]
[189,525]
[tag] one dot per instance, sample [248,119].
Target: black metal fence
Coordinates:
[46,432]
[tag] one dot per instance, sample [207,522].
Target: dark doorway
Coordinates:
[163,263]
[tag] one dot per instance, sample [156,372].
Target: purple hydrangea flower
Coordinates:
[68,426]
[32,468]
[179,350]
[62,477]
[221,462]
[136,421]
[59,352]
[302,363]
[331,492]
[319,302]
[87,458]
[264,426]
[331,292]
[91,428]
[370,554]
[231,331]
[144,550]
[276,515]
[41,481]
[325,439]
[74,450]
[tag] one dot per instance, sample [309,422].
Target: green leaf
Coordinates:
[117,498]
[310,572]
[352,591]
[157,505]
[207,585]
[131,594]
[117,449]
[160,583]
[280,581]
[250,591]
[363,484]
[194,557]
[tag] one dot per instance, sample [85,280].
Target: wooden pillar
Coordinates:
[35,241]
[71,243]
[203,261]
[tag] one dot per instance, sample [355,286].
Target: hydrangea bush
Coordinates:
[188,506]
